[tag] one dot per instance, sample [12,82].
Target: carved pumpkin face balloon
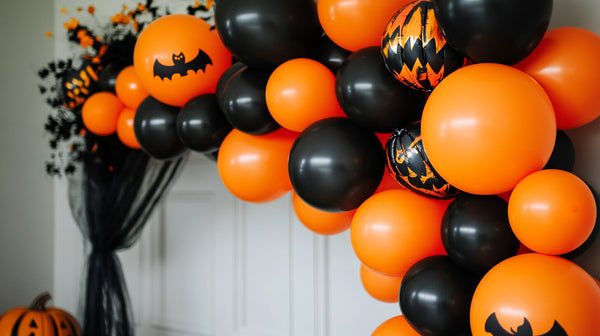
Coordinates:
[178,57]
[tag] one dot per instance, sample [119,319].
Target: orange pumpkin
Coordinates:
[37,320]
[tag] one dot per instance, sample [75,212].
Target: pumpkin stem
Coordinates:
[39,303]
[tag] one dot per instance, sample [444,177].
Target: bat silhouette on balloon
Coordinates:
[180,66]
[493,327]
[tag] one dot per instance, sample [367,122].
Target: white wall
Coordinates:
[26,202]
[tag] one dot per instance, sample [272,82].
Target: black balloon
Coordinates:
[499,31]
[265,33]
[435,297]
[225,77]
[563,155]
[372,97]
[335,165]
[244,104]
[593,236]
[108,77]
[154,126]
[330,54]
[476,233]
[201,125]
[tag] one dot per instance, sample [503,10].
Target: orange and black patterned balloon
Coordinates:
[408,163]
[78,84]
[414,49]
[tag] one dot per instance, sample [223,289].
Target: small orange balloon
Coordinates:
[487,126]
[129,89]
[381,287]
[319,221]
[356,24]
[566,64]
[255,168]
[125,128]
[396,326]
[100,113]
[552,211]
[178,57]
[300,92]
[546,295]
[393,229]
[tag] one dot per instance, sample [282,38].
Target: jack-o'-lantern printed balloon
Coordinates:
[414,49]
[178,57]
[534,294]
[78,84]
[410,166]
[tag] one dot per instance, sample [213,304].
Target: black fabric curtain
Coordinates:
[111,201]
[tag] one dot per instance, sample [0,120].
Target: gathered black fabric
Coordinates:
[111,201]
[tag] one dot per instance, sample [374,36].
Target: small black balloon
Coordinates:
[372,97]
[335,165]
[435,297]
[497,31]
[108,77]
[154,126]
[330,54]
[265,33]
[476,232]
[225,77]
[201,125]
[244,104]
[563,155]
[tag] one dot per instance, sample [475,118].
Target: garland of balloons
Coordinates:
[463,101]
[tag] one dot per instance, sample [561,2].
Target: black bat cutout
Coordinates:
[180,66]
[493,327]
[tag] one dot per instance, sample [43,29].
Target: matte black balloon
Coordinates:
[201,125]
[330,54]
[244,104]
[154,126]
[226,76]
[108,77]
[593,236]
[435,297]
[372,97]
[499,31]
[476,232]
[563,155]
[335,165]
[265,33]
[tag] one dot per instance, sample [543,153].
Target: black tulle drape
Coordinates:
[111,200]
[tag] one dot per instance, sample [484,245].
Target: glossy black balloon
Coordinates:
[435,297]
[330,54]
[154,126]
[563,155]
[499,31]
[265,33]
[225,77]
[201,125]
[372,97]
[244,104]
[108,77]
[593,236]
[335,165]
[476,233]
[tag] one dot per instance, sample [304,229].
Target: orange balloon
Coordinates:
[552,211]
[487,126]
[538,293]
[566,64]
[255,168]
[300,92]
[381,287]
[129,89]
[178,57]
[100,112]
[396,326]
[319,221]
[356,24]
[125,128]
[393,229]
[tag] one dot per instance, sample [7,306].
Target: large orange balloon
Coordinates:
[125,130]
[129,89]
[381,287]
[254,168]
[319,221]
[487,126]
[538,293]
[552,211]
[396,326]
[566,64]
[395,228]
[178,57]
[300,92]
[356,24]
[100,113]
